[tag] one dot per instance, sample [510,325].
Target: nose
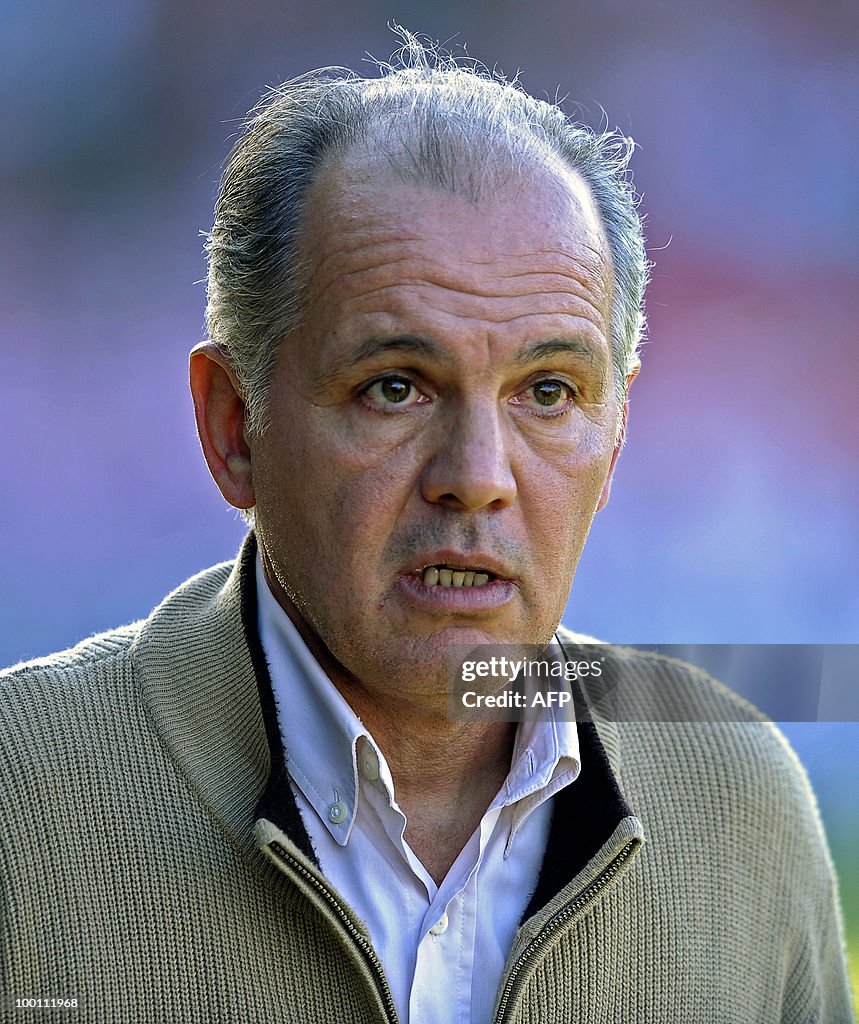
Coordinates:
[470,466]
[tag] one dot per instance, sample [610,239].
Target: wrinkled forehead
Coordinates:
[555,207]
[383,255]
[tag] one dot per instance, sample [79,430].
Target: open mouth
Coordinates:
[451,576]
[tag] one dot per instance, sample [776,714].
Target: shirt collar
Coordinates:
[546,753]
[327,746]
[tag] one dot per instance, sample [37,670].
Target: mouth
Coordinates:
[447,575]
[448,580]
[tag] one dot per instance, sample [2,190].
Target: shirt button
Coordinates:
[369,764]
[337,812]
[440,927]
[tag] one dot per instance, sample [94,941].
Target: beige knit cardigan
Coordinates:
[154,868]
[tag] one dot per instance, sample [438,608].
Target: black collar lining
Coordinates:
[584,815]
[277,802]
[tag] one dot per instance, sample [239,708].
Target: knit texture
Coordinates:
[132,876]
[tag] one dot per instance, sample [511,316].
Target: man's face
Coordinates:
[447,408]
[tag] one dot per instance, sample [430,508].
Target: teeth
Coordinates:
[433,575]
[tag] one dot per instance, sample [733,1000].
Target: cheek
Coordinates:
[567,472]
[326,477]
[561,494]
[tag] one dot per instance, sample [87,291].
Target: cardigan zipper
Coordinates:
[517,976]
[358,939]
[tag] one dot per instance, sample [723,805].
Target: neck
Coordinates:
[445,774]
[428,754]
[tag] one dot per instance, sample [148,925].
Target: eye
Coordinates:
[393,390]
[550,396]
[549,392]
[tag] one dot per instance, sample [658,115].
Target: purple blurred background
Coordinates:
[733,517]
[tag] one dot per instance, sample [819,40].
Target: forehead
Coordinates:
[531,245]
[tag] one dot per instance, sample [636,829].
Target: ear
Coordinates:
[220,413]
[621,434]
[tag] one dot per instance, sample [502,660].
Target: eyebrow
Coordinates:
[418,344]
[413,343]
[561,346]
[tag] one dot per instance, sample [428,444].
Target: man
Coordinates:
[425,297]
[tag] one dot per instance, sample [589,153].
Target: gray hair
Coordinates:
[444,116]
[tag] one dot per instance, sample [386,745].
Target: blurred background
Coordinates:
[734,515]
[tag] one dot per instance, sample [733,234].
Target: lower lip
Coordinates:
[491,595]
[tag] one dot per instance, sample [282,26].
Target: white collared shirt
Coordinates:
[443,947]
